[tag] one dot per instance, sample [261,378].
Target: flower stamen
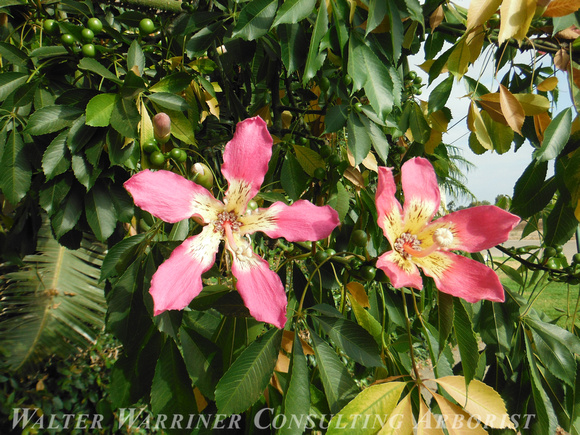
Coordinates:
[409,245]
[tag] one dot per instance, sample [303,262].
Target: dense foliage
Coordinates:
[81,84]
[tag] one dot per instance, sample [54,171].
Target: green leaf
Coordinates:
[382,86]
[202,40]
[53,305]
[336,117]
[376,400]
[466,341]
[96,67]
[120,255]
[297,397]
[337,381]
[12,54]
[397,30]
[340,201]
[51,119]
[357,343]
[293,179]
[181,127]
[531,193]
[56,158]
[309,160]
[172,84]
[561,224]
[255,19]
[439,96]
[68,214]
[53,193]
[248,376]
[292,11]
[9,81]
[316,57]
[378,138]
[418,124]
[136,58]
[359,141]
[100,212]
[169,101]
[377,12]
[171,390]
[367,321]
[556,136]
[16,173]
[293,46]
[125,117]
[202,359]
[100,108]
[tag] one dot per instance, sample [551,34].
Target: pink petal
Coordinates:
[178,279]
[261,289]
[246,158]
[389,209]
[298,222]
[422,196]
[401,272]
[171,197]
[467,279]
[479,228]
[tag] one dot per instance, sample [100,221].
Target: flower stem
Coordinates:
[410,338]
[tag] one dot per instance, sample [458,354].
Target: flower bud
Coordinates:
[162,127]
[202,175]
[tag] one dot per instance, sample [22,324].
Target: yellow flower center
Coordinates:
[408,244]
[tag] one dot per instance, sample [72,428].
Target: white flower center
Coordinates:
[443,237]
[408,245]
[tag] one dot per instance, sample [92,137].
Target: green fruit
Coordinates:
[320,173]
[89,50]
[550,252]
[87,35]
[559,249]
[67,39]
[359,238]
[551,264]
[320,256]
[576,258]
[178,155]
[150,146]
[358,107]
[325,151]
[368,273]
[412,75]
[324,84]
[146,26]
[95,25]
[334,160]
[417,91]
[157,158]
[355,262]
[302,140]
[347,80]
[252,205]
[417,80]
[330,252]
[50,27]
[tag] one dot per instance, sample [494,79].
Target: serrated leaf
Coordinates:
[96,67]
[376,400]
[293,179]
[56,158]
[100,108]
[51,119]
[453,414]
[249,375]
[53,193]
[9,81]
[119,255]
[135,58]
[173,83]
[315,57]
[100,212]
[556,136]
[466,341]
[169,101]
[293,46]
[202,359]
[531,192]
[125,117]
[335,118]
[67,215]
[292,11]
[359,141]
[352,339]
[439,96]
[561,224]
[255,19]
[309,160]
[16,174]
[480,400]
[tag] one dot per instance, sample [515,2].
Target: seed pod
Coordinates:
[162,127]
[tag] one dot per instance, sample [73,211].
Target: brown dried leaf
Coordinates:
[436,17]
[541,122]
[359,294]
[512,109]
[548,85]
[561,8]
[490,103]
[355,177]
[562,60]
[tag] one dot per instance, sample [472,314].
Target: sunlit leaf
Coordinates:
[561,8]
[480,11]
[457,421]
[511,108]
[516,16]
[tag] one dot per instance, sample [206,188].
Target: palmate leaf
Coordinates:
[53,305]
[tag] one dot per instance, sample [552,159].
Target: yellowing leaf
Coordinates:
[378,401]
[459,59]
[286,119]
[562,59]
[541,122]
[533,104]
[480,11]
[478,127]
[427,424]
[516,16]
[561,8]
[370,162]
[282,363]
[358,293]
[355,177]
[490,103]
[457,421]
[475,43]
[512,109]
[400,421]
[309,160]
[264,113]
[288,342]
[481,401]
[548,85]
[436,17]
[426,66]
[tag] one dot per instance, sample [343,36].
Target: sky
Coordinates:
[493,174]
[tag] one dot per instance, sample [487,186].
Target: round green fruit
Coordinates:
[146,26]
[87,35]
[576,258]
[355,262]
[325,151]
[320,173]
[150,146]
[347,80]
[330,252]
[334,160]
[67,39]
[358,107]
[320,256]
[552,264]
[359,238]
[95,25]
[89,50]
[252,205]
[157,158]
[550,252]
[178,155]
[412,75]
[324,84]
[368,273]
[50,27]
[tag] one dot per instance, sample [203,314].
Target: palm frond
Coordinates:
[53,305]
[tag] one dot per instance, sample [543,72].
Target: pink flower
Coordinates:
[418,241]
[173,198]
